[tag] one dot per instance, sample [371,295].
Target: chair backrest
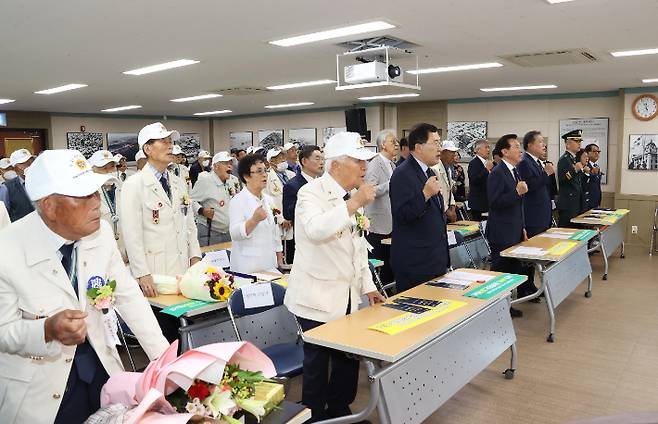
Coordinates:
[263,326]
[206,332]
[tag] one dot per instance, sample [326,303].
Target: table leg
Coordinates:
[540,290]
[551,317]
[509,372]
[588,293]
[185,342]
[605,256]
[622,250]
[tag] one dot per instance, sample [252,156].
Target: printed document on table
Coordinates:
[470,276]
[524,250]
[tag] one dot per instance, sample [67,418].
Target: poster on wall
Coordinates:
[241,139]
[595,130]
[124,143]
[270,139]
[85,142]
[303,136]
[465,134]
[190,143]
[643,152]
[327,133]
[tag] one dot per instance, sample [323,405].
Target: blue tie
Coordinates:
[67,251]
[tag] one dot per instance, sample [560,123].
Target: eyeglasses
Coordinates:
[259,171]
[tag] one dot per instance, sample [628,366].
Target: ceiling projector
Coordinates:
[370,72]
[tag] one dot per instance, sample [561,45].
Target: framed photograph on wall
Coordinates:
[643,152]
[270,139]
[303,136]
[330,131]
[85,142]
[124,143]
[595,130]
[190,143]
[241,139]
[465,134]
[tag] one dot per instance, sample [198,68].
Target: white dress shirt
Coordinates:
[256,251]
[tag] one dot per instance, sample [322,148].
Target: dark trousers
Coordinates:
[81,399]
[477,215]
[501,264]
[404,281]
[321,389]
[290,251]
[169,324]
[528,270]
[564,218]
[383,253]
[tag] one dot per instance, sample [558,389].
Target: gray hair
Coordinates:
[478,145]
[329,162]
[382,136]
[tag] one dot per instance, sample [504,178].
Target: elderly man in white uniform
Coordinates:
[57,347]
[211,195]
[330,272]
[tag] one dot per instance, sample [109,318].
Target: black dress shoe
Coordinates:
[515,313]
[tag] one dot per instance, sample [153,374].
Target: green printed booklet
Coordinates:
[179,309]
[582,235]
[495,286]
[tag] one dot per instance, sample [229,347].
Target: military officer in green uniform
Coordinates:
[570,172]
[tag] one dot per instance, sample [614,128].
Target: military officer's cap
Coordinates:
[575,135]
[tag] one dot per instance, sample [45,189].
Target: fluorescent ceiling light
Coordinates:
[526,87]
[390,96]
[162,67]
[289,105]
[201,97]
[66,87]
[214,112]
[558,1]
[456,68]
[646,81]
[333,33]
[120,108]
[5,101]
[625,53]
[301,84]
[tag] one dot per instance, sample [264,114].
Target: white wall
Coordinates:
[636,182]
[544,115]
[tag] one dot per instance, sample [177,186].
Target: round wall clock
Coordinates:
[645,107]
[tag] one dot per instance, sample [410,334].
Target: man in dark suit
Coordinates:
[420,244]
[478,173]
[505,191]
[537,207]
[404,151]
[312,165]
[570,199]
[595,175]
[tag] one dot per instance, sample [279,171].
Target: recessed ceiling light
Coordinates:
[5,101]
[201,97]
[558,1]
[301,84]
[120,108]
[214,112]
[390,96]
[625,53]
[646,81]
[333,33]
[523,87]
[162,67]
[456,68]
[63,88]
[289,105]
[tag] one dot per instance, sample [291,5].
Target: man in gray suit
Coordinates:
[379,172]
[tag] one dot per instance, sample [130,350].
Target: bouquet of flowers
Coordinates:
[200,281]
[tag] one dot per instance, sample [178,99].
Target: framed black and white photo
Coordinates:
[270,139]
[85,142]
[241,139]
[328,132]
[190,143]
[643,152]
[465,134]
[595,130]
[124,143]
[303,136]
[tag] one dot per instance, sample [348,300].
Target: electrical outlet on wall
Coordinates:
[634,229]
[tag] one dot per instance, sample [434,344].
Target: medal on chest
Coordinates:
[156,217]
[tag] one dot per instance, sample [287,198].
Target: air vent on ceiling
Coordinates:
[242,91]
[552,58]
[368,43]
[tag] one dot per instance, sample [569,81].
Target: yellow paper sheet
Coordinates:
[283,281]
[408,320]
[562,247]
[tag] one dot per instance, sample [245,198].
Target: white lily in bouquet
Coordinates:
[201,281]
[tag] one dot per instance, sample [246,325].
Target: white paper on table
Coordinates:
[463,284]
[534,251]
[470,276]
[564,236]
[452,239]
[257,295]
[218,259]
[270,276]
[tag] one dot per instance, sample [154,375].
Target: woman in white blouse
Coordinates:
[256,239]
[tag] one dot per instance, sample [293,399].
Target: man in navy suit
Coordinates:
[312,161]
[505,191]
[419,251]
[595,174]
[537,207]
[478,173]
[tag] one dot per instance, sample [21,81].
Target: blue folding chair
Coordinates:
[460,254]
[273,329]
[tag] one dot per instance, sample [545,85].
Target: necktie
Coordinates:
[165,185]
[347,196]
[540,165]
[177,172]
[123,176]
[516,175]
[111,192]
[67,252]
[429,173]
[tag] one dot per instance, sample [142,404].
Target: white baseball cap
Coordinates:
[272,153]
[203,154]
[176,150]
[64,172]
[155,131]
[4,163]
[140,155]
[221,157]
[20,156]
[347,144]
[102,158]
[254,149]
[289,146]
[450,146]
[118,157]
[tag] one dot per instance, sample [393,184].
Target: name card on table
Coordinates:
[452,239]
[257,295]
[218,259]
